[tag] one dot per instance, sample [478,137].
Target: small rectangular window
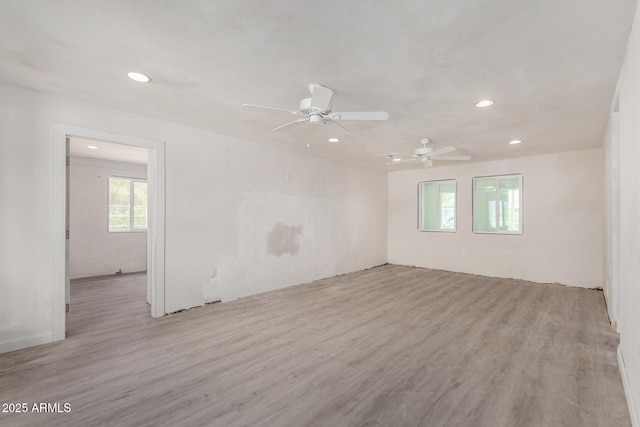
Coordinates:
[497,204]
[437,206]
[127,204]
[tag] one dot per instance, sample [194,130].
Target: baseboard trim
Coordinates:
[614,326]
[19,344]
[633,409]
[106,276]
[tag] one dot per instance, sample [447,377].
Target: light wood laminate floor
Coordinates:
[389,346]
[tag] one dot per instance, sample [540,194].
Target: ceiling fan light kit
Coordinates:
[318,111]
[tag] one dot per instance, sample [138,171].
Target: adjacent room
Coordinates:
[408,213]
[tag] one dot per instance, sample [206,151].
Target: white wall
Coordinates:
[93,250]
[629,220]
[563,214]
[228,205]
[611,261]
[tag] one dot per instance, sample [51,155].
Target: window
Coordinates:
[127,204]
[437,205]
[497,204]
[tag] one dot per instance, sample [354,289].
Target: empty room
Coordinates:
[243,213]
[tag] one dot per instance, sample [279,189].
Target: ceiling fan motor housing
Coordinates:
[305,104]
[423,151]
[305,107]
[315,118]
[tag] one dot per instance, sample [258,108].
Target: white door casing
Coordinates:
[156,219]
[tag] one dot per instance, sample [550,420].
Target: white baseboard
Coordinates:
[633,409]
[103,275]
[19,344]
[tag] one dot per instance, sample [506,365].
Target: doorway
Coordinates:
[106,216]
[155,219]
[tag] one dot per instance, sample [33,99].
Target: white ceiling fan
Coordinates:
[424,154]
[317,110]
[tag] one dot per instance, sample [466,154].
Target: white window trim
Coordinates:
[520,211]
[131,205]
[439,208]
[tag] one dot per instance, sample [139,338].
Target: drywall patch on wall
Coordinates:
[211,291]
[283,239]
[276,228]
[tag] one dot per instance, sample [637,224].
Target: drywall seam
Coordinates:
[633,409]
[19,344]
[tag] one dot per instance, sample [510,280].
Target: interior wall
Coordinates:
[562,219]
[611,268]
[241,217]
[629,220]
[25,201]
[93,250]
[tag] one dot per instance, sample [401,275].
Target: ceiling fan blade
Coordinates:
[295,122]
[335,128]
[260,107]
[392,155]
[400,161]
[320,97]
[451,157]
[443,150]
[360,115]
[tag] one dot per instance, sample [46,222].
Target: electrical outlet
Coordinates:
[214,272]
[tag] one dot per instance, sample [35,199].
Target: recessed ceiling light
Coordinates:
[308,145]
[515,141]
[484,103]
[396,159]
[334,139]
[92,147]
[139,77]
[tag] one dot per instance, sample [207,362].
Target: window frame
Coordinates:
[520,178]
[132,181]
[439,207]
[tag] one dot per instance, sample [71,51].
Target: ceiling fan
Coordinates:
[425,155]
[317,110]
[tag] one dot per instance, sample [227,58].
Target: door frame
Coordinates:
[155,218]
[614,220]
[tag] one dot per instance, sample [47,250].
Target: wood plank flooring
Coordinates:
[389,346]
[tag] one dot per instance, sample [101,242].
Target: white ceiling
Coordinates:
[551,67]
[79,147]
